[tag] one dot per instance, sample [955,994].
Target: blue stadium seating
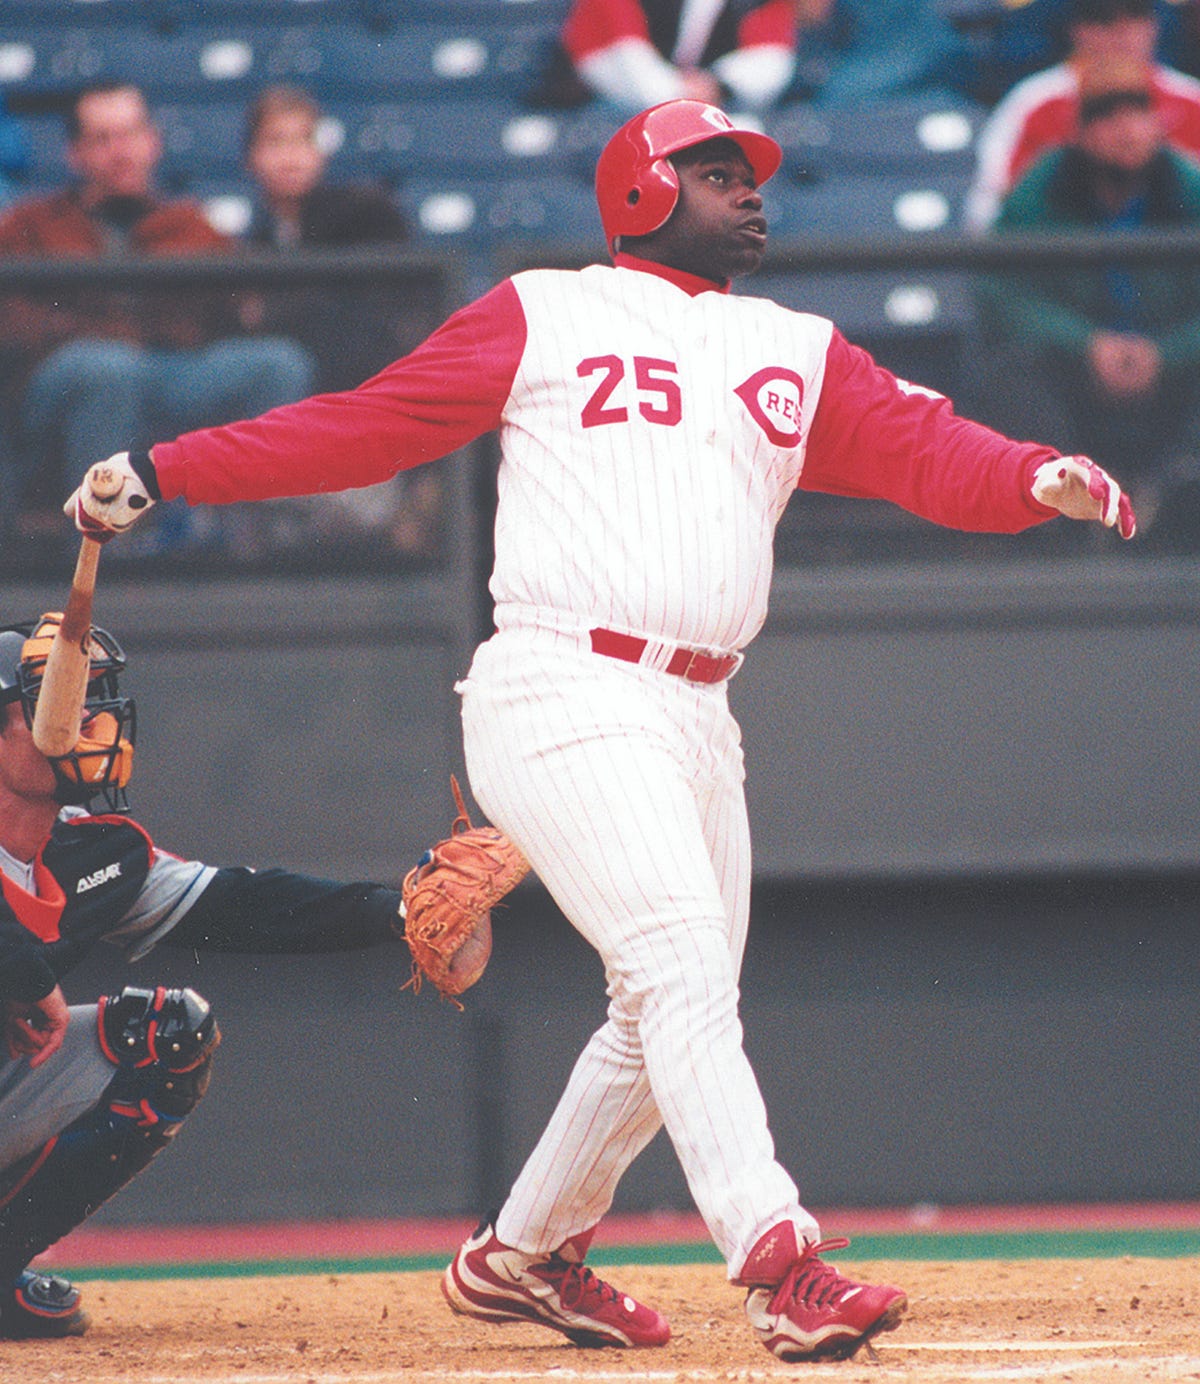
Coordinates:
[444,57]
[47,149]
[486,213]
[487,135]
[89,12]
[933,135]
[852,205]
[548,14]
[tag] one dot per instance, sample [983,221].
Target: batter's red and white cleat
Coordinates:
[488,1280]
[816,1314]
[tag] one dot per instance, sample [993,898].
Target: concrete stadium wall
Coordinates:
[972,973]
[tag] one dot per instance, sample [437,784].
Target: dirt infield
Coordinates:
[1086,1321]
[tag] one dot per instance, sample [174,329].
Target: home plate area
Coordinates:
[1089,1297]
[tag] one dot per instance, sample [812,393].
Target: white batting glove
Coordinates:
[1078,488]
[111,497]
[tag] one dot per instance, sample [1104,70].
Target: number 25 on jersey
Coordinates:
[655,388]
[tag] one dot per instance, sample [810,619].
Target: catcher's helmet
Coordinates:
[101,761]
[636,186]
[12,641]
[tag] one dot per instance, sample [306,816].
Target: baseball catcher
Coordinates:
[90,1093]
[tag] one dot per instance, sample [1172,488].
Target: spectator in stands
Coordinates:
[1041,111]
[1028,35]
[297,209]
[296,206]
[350,334]
[635,53]
[100,366]
[1106,360]
[856,51]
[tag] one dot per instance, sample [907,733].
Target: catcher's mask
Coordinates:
[637,186]
[101,761]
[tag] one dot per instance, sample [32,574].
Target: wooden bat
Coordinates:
[58,717]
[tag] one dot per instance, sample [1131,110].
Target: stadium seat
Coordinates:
[443,58]
[548,14]
[472,211]
[44,58]
[281,11]
[864,205]
[484,135]
[200,137]
[910,134]
[239,54]
[47,148]
[57,12]
[228,204]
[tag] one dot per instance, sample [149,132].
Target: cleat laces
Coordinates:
[816,1284]
[580,1283]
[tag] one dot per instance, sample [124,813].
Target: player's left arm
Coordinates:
[273,910]
[188,903]
[230,908]
[879,437]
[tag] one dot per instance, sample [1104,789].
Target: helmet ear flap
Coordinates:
[651,198]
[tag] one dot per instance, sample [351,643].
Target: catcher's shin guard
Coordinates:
[161,1043]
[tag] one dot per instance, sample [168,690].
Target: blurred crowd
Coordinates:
[1090,122]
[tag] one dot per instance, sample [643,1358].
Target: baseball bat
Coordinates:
[58,716]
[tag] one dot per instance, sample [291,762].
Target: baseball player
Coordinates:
[652,429]
[90,1093]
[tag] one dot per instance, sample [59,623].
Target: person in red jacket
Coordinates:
[636,52]
[111,363]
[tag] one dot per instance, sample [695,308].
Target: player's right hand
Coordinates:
[111,497]
[35,1028]
[1078,488]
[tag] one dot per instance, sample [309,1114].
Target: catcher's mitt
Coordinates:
[446,900]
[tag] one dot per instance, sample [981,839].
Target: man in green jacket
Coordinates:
[1103,359]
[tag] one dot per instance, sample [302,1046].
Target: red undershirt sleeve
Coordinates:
[444,394]
[877,437]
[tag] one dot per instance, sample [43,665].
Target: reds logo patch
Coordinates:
[773,396]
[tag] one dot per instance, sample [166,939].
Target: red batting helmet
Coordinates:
[636,186]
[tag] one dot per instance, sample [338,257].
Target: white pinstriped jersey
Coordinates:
[650,444]
[652,429]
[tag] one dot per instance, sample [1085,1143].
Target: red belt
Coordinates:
[692,664]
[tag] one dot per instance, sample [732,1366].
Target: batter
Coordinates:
[652,429]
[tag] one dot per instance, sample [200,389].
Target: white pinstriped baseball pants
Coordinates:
[623,786]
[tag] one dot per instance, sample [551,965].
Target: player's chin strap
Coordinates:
[161,1043]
